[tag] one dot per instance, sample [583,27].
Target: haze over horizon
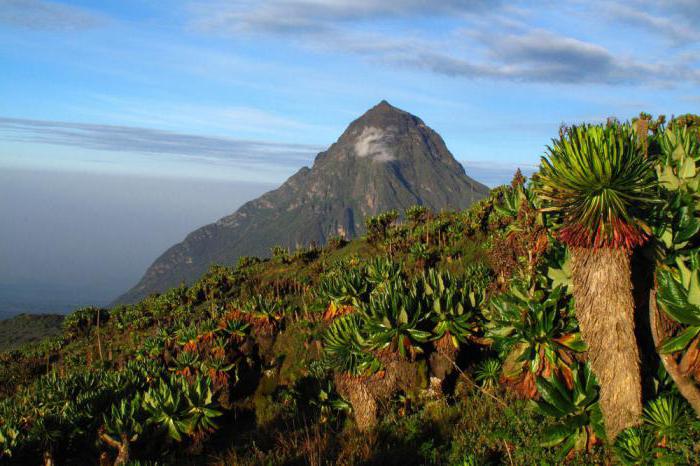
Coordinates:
[83,239]
[130,123]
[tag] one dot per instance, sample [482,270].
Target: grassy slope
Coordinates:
[27,328]
[274,424]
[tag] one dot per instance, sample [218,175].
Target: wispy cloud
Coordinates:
[676,28]
[376,144]
[534,56]
[299,16]
[542,56]
[494,44]
[240,122]
[46,15]
[152,141]
[687,9]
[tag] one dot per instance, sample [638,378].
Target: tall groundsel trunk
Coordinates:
[605,312]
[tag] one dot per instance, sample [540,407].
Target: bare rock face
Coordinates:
[386,159]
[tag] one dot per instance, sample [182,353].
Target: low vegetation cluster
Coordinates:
[557,321]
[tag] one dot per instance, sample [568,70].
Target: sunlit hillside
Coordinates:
[555,322]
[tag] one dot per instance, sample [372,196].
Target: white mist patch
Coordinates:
[375,143]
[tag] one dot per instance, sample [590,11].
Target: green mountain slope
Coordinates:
[386,159]
[436,338]
[26,328]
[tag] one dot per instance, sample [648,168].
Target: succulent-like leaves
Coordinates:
[234,328]
[636,446]
[346,350]
[559,270]
[598,179]
[394,320]
[201,409]
[167,409]
[577,410]
[453,305]
[125,418]
[510,201]
[666,415]
[677,162]
[488,372]
[532,330]
[381,270]
[345,287]
[676,300]
[186,360]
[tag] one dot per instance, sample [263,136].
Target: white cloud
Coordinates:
[533,56]
[495,44]
[129,139]
[298,16]
[375,143]
[41,14]
[674,28]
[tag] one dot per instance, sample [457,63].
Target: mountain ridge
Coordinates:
[385,159]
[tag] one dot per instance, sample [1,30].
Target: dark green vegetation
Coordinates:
[27,328]
[386,159]
[450,338]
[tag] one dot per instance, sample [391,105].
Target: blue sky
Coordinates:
[252,90]
[126,124]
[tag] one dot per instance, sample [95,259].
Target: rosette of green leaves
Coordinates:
[577,411]
[452,306]
[396,319]
[381,270]
[346,349]
[167,408]
[637,446]
[667,416]
[344,287]
[676,221]
[530,328]
[200,406]
[125,419]
[679,297]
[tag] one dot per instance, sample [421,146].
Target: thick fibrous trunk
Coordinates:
[363,402]
[366,392]
[605,312]
[441,361]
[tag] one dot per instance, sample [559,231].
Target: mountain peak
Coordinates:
[380,124]
[384,110]
[386,159]
[385,104]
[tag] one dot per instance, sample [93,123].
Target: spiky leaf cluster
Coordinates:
[599,181]
[580,421]
[395,320]
[533,329]
[346,349]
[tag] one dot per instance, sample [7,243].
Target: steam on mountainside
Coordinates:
[386,159]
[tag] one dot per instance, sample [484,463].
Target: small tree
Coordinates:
[417,214]
[598,180]
[378,225]
[280,254]
[123,426]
